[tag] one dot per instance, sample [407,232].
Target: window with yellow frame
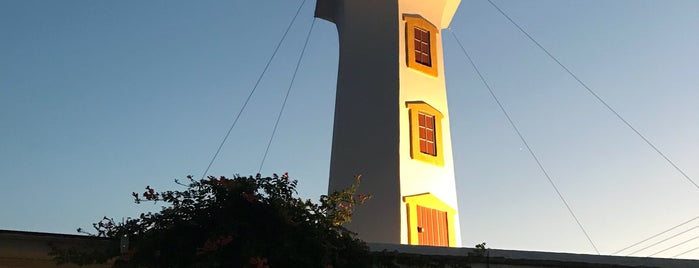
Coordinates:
[421,44]
[425,133]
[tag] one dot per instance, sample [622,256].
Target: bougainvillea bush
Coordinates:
[231,222]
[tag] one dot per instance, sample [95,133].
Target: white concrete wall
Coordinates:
[418,177]
[366,129]
[29,249]
[371,134]
[499,258]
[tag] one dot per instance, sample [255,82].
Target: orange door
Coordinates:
[432,227]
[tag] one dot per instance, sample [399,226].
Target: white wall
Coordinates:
[365,133]
[371,129]
[419,177]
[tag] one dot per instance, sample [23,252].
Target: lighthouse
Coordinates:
[391,121]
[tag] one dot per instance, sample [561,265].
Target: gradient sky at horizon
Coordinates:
[99,99]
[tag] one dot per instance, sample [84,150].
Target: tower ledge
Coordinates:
[325,9]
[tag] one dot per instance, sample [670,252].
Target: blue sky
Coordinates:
[99,99]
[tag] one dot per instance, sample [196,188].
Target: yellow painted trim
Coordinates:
[412,21]
[427,200]
[419,106]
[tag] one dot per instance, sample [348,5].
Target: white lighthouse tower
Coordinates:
[392,121]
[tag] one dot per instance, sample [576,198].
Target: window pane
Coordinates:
[426,133]
[422,46]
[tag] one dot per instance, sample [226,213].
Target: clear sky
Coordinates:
[101,98]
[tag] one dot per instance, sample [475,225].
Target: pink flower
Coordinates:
[363,197]
[249,197]
[259,262]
